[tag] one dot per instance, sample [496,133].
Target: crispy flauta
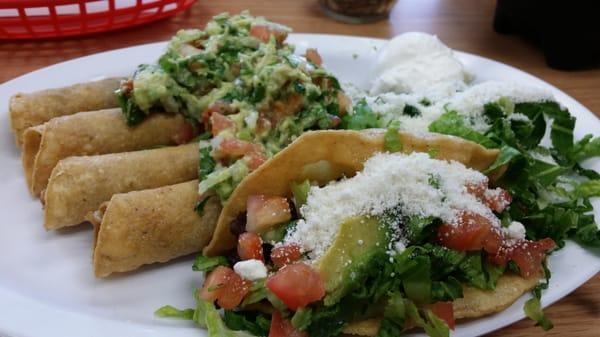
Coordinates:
[91,133]
[79,185]
[31,109]
[155,225]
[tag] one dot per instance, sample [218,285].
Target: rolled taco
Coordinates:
[79,185]
[154,225]
[91,133]
[31,109]
[336,235]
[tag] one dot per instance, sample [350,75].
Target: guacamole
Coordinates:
[241,85]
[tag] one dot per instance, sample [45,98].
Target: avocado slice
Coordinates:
[356,239]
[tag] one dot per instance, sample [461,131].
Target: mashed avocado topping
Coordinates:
[239,83]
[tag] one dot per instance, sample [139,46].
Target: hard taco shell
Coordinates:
[328,155]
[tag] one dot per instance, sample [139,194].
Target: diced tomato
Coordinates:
[313,56]
[263,125]
[283,108]
[263,33]
[250,247]
[220,123]
[186,133]
[262,212]
[469,233]
[221,107]
[255,159]
[233,147]
[281,327]
[284,255]
[226,287]
[444,311]
[528,255]
[296,285]
[127,86]
[344,102]
[497,200]
[477,190]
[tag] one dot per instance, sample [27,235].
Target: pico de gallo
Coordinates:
[240,85]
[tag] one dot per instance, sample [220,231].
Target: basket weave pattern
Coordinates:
[33,19]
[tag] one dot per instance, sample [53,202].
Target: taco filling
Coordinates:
[386,250]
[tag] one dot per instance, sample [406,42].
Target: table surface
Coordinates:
[464,25]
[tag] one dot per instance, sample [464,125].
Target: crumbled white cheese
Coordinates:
[470,103]
[251,269]
[518,117]
[388,180]
[514,232]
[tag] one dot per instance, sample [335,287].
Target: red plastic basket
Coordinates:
[34,19]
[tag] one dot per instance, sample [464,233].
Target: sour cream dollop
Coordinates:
[415,63]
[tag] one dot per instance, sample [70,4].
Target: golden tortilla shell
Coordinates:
[475,303]
[327,155]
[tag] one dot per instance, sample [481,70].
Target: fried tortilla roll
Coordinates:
[79,185]
[38,107]
[149,226]
[91,133]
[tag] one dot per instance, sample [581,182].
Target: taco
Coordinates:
[336,234]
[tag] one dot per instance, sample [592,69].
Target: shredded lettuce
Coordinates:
[257,324]
[300,193]
[207,264]
[171,312]
[533,310]
[301,318]
[362,117]
[451,123]
[391,138]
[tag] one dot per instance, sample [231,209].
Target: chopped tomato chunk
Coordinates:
[232,147]
[250,247]
[313,56]
[477,190]
[226,287]
[471,232]
[444,311]
[220,123]
[284,255]
[186,133]
[218,106]
[263,33]
[281,327]
[262,212]
[283,108]
[497,200]
[255,159]
[296,285]
[528,255]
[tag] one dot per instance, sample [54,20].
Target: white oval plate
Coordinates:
[47,287]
